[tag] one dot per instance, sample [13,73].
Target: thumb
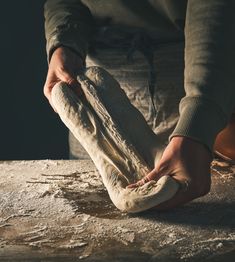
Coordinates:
[153,175]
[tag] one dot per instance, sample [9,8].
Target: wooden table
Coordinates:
[59,211]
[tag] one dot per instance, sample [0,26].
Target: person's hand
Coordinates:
[188,162]
[64,66]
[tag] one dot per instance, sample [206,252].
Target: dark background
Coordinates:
[29,129]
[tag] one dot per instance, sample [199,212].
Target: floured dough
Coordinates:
[117,138]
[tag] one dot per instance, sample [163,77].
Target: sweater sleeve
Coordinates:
[209,70]
[67,23]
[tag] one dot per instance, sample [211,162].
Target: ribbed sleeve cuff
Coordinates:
[200,119]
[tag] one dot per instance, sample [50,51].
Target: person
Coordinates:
[103,32]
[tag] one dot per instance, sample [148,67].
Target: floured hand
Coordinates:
[188,162]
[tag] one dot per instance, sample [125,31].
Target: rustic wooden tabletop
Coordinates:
[60,211]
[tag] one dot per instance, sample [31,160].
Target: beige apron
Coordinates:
[160,112]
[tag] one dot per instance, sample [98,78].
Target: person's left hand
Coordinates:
[188,162]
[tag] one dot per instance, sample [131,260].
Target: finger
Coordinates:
[141,182]
[153,175]
[72,82]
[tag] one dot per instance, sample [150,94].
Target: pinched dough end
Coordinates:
[151,194]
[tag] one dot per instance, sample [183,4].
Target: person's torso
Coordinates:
[163,18]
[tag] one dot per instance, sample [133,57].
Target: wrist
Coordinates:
[200,119]
[193,146]
[64,51]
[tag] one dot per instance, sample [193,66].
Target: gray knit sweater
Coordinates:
[206,26]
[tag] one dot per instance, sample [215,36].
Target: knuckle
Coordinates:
[66,75]
[70,80]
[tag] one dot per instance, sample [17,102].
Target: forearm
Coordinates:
[209,70]
[67,23]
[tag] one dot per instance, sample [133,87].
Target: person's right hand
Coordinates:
[64,66]
[188,162]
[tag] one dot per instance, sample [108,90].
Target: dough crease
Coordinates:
[117,138]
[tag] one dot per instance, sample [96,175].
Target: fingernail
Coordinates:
[131,186]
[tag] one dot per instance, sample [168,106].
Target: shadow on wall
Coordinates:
[29,128]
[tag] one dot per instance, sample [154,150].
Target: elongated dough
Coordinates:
[117,138]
